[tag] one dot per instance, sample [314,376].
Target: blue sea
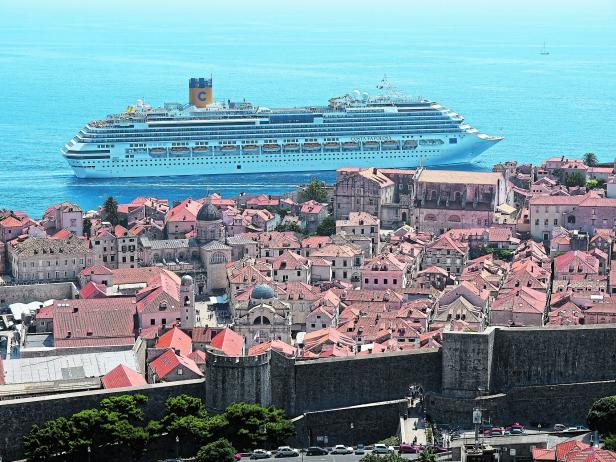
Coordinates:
[63,63]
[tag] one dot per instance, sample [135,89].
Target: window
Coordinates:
[180,371]
[555,221]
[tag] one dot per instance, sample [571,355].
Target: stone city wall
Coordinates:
[18,416]
[26,293]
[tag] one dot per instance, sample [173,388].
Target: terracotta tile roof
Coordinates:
[185,211]
[122,376]
[93,290]
[315,341]
[169,362]
[289,260]
[204,334]
[459,177]
[197,356]
[96,269]
[311,207]
[315,242]
[228,342]
[336,250]
[564,448]
[89,326]
[544,454]
[522,300]
[177,340]
[447,243]
[581,262]
[10,222]
[276,345]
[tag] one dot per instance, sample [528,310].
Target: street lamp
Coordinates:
[352,427]
[89,452]
[177,446]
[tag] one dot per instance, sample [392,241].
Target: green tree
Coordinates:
[327,227]
[87,226]
[590,159]
[384,458]
[53,437]
[602,416]
[250,425]
[427,455]
[131,439]
[609,442]
[186,417]
[591,183]
[292,226]
[315,190]
[574,179]
[126,406]
[110,211]
[558,173]
[217,451]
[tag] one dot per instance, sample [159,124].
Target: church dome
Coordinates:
[187,280]
[262,292]
[208,212]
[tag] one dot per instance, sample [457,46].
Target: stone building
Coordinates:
[362,224]
[264,318]
[64,215]
[209,225]
[446,253]
[585,213]
[215,255]
[361,190]
[446,199]
[45,260]
[346,261]
[384,271]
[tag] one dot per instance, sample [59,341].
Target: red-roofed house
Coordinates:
[312,214]
[123,376]
[543,455]
[228,342]
[182,218]
[291,267]
[565,448]
[85,324]
[93,290]
[169,367]
[446,253]
[522,307]
[575,264]
[177,340]
[384,271]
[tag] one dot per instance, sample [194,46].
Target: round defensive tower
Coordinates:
[237,379]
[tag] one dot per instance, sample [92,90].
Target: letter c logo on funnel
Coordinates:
[201,96]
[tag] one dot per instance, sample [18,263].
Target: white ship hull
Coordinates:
[191,162]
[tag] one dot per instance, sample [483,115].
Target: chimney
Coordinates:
[75,310]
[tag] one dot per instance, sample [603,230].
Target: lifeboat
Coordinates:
[312,146]
[271,147]
[158,153]
[390,144]
[250,147]
[158,150]
[228,147]
[180,151]
[201,148]
[410,144]
[371,145]
[350,145]
[330,146]
[291,147]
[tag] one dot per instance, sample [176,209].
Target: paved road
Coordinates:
[329,458]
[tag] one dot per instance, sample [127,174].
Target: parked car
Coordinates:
[381,449]
[436,448]
[559,428]
[410,449]
[516,429]
[316,451]
[498,431]
[237,456]
[360,450]
[342,449]
[487,433]
[286,451]
[260,454]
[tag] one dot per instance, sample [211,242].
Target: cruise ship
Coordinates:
[204,137]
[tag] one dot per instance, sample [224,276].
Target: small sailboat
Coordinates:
[544,50]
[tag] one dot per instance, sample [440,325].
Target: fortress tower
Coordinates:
[237,379]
